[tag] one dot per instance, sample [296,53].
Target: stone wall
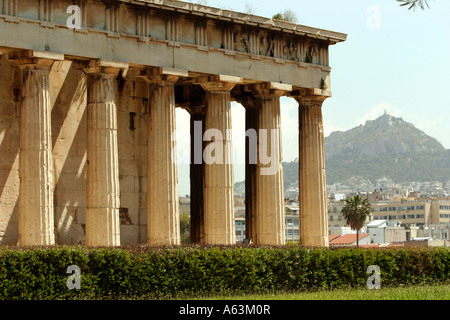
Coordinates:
[9,153]
[132,138]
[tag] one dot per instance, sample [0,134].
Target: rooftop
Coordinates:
[345,239]
[376,223]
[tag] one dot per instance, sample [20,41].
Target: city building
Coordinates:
[292,223]
[409,211]
[396,218]
[381,232]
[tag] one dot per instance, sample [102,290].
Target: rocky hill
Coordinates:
[385,148]
[384,135]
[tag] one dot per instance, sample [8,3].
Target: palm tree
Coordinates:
[355,213]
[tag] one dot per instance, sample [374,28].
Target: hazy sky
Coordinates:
[394,59]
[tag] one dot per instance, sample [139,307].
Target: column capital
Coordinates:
[218,83]
[313,97]
[35,59]
[103,68]
[268,90]
[196,110]
[162,76]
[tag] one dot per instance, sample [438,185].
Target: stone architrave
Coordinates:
[36,213]
[218,193]
[312,179]
[163,221]
[102,177]
[269,212]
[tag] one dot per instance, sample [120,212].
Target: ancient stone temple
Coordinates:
[88,91]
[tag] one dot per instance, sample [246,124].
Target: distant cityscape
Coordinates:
[403,214]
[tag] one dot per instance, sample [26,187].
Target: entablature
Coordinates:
[172,34]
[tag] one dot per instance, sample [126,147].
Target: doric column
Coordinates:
[269,213]
[36,220]
[312,181]
[218,193]
[197,174]
[251,158]
[102,177]
[163,222]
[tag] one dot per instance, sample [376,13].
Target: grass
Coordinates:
[422,292]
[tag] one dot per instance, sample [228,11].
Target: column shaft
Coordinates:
[197,175]
[270,215]
[312,180]
[36,220]
[102,178]
[251,156]
[219,222]
[163,225]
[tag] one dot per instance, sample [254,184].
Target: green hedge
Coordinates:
[144,272]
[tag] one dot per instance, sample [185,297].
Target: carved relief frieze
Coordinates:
[155,22]
[266,44]
[312,54]
[241,40]
[290,49]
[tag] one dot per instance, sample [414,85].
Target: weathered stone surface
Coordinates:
[269,185]
[102,190]
[218,193]
[36,215]
[163,227]
[266,205]
[312,179]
